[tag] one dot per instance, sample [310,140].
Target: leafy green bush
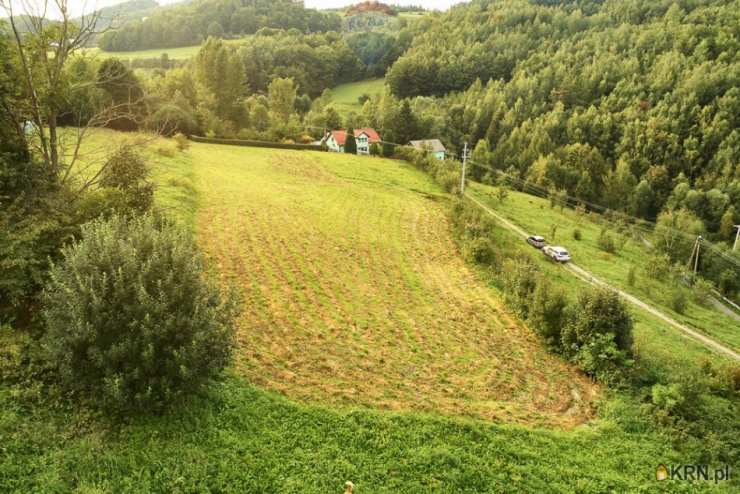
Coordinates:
[679,398]
[658,266]
[126,171]
[702,291]
[606,242]
[181,141]
[598,335]
[131,321]
[480,250]
[520,276]
[678,300]
[548,311]
[577,234]
[170,119]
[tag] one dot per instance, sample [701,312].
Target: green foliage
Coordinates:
[132,323]
[548,312]
[350,145]
[259,144]
[190,23]
[638,130]
[282,96]
[675,233]
[678,300]
[520,277]
[124,95]
[598,335]
[606,242]
[577,234]
[315,62]
[181,141]
[702,291]
[171,119]
[244,437]
[631,276]
[658,266]
[126,172]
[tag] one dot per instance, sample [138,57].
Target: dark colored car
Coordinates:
[536,241]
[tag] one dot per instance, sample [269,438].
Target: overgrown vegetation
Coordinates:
[593,329]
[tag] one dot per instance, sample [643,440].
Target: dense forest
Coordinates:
[632,105]
[192,23]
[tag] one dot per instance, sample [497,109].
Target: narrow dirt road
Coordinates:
[590,278]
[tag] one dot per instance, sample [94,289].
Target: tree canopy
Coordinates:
[191,23]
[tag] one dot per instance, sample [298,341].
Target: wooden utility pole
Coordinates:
[734,246]
[695,254]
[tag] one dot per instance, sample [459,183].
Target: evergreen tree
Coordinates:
[350,145]
[406,126]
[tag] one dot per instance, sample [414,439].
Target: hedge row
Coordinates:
[258,144]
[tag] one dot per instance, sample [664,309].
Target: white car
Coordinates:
[558,254]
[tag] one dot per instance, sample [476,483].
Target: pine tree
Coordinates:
[406,126]
[350,145]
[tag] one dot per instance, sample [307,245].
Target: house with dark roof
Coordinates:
[433,146]
[363,137]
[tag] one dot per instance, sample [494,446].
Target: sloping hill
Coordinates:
[355,293]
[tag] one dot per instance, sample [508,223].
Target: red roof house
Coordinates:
[363,137]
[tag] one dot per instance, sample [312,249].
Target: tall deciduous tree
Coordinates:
[282,97]
[220,78]
[43,49]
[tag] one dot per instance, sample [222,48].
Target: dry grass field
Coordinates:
[355,293]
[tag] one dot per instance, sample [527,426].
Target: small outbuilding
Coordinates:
[433,146]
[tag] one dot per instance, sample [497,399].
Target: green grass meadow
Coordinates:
[345,96]
[179,53]
[368,351]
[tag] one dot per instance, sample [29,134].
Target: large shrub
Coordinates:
[548,311]
[520,277]
[131,320]
[170,119]
[598,336]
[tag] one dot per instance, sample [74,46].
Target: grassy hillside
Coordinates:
[355,293]
[535,215]
[355,298]
[345,95]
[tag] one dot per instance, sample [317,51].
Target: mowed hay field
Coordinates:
[355,293]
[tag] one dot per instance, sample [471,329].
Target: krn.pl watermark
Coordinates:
[693,473]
